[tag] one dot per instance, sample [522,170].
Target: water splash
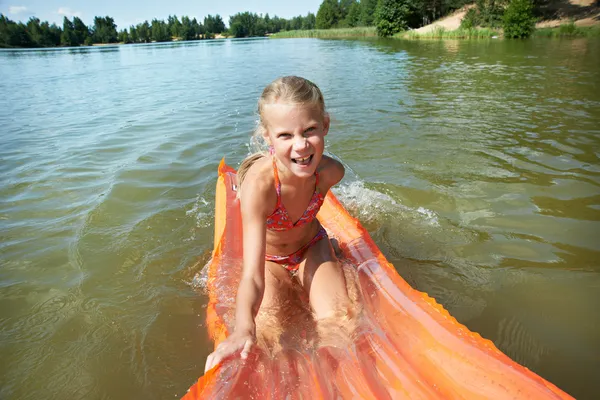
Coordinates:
[200,280]
[370,205]
[202,212]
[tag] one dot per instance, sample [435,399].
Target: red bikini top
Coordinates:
[280,220]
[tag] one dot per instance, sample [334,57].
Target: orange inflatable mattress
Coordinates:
[406,346]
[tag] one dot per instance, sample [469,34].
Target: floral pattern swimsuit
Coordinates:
[280,220]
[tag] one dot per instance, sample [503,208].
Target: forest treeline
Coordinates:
[35,33]
[74,32]
[517,17]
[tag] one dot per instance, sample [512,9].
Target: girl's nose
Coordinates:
[300,143]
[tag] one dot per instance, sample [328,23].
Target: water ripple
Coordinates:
[474,165]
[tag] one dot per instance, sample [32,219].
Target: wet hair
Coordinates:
[287,89]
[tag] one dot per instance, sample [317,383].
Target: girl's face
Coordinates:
[297,134]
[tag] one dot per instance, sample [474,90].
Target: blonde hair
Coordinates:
[289,89]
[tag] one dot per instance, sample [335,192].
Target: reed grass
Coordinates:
[564,30]
[568,30]
[327,33]
[443,33]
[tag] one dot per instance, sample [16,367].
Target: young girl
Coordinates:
[280,195]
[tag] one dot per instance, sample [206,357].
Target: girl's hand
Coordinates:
[237,341]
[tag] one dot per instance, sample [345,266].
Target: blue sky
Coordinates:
[131,12]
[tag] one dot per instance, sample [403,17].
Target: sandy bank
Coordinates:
[582,12]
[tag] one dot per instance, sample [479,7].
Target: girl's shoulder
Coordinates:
[261,172]
[331,171]
[259,182]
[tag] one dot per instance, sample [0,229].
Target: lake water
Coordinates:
[473,164]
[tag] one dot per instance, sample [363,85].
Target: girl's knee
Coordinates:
[331,305]
[337,327]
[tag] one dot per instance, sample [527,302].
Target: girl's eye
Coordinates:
[284,135]
[310,130]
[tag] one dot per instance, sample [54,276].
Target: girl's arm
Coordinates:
[255,202]
[252,284]
[331,171]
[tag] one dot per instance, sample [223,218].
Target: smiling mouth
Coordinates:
[302,160]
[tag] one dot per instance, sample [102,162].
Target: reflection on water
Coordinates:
[474,165]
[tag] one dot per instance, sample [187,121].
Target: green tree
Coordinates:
[198,28]
[296,23]
[41,34]
[144,32]
[328,14]
[430,10]
[105,30]
[34,29]
[123,36]
[518,20]
[14,34]
[80,30]
[489,13]
[309,22]
[68,37]
[160,31]
[209,24]
[214,24]
[353,17]
[187,31]
[219,24]
[174,26]
[344,8]
[246,24]
[268,23]
[133,34]
[51,34]
[276,24]
[392,16]
[470,19]
[367,12]
[5,31]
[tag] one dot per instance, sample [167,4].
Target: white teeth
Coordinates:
[303,161]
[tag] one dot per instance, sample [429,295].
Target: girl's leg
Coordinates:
[283,313]
[322,277]
[277,285]
[269,326]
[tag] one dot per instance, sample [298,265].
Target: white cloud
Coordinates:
[67,12]
[17,9]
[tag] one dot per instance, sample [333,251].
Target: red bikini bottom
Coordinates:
[292,262]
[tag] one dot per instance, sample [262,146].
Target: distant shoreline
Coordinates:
[448,27]
[217,36]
